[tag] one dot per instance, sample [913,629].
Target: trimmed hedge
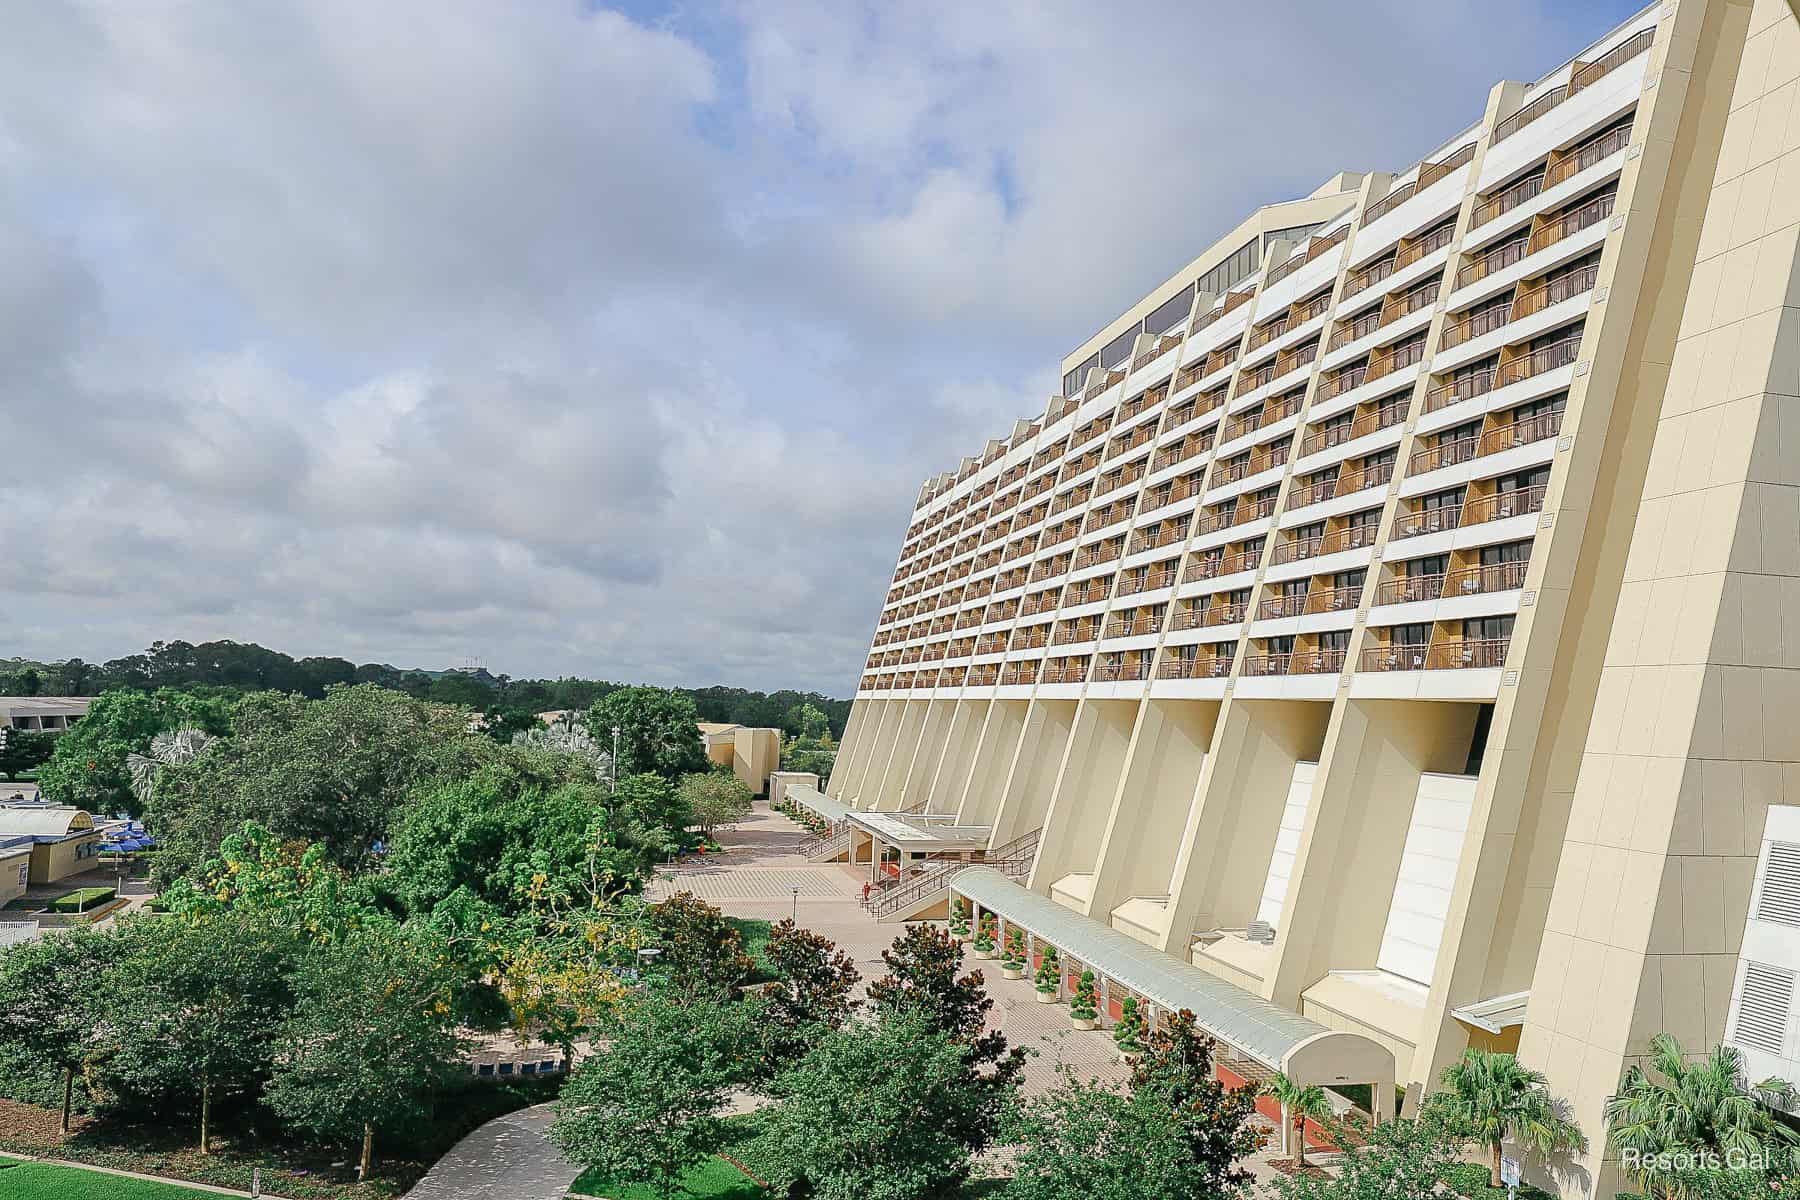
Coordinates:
[81,899]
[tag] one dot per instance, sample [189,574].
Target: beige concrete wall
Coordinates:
[1692,733]
[1356,826]
[934,736]
[1025,800]
[52,862]
[996,751]
[872,759]
[1143,836]
[755,753]
[885,786]
[961,740]
[1227,846]
[1085,790]
[15,873]
[856,729]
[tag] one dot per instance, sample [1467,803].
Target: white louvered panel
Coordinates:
[1779,895]
[1428,861]
[1763,1004]
[1287,845]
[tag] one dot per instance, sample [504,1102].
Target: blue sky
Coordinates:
[608,340]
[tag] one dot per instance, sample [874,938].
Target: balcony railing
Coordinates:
[1194,668]
[1390,202]
[1427,520]
[1155,350]
[1137,626]
[1065,671]
[1470,654]
[1501,505]
[1351,482]
[1256,378]
[1394,657]
[1538,362]
[1507,199]
[1485,578]
[1521,433]
[1165,577]
[1444,454]
[1571,223]
[1106,673]
[1395,358]
[1587,154]
[1343,381]
[1431,243]
[1335,599]
[1282,606]
[1497,259]
[1555,291]
[1464,387]
[1262,335]
[1267,664]
[1298,548]
[1362,327]
[1368,277]
[1315,492]
[1225,613]
[1409,589]
[1316,662]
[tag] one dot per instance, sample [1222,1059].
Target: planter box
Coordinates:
[1082,1022]
[1012,972]
[1047,997]
[980,953]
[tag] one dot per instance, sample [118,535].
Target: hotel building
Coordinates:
[1387,640]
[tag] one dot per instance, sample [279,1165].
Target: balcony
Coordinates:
[1492,261]
[1325,436]
[1555,291]
[1069,670]
[1583,75]
[1134,626]
[1342,381]
[1296,549]
[1273,607]
[1352,482]
[1402,657]
[1443,454]
[1280,410]
[1155,350]
[1409,589]
[1586,155]
[1369,276]
[1520,433]
[1315,492]
[1252,380]
[1398,357]
[1466,386]
[1507,199]
[1017,673]
[1316,662]
[1336,599]
[1224,614]
[1260,665]
[1538,362]
[1461,655]
[1571,223]
[1501,505]
[1262,335]
[1161,578]
[982,676]
[1411,252]
[1485,579]
[1148,540]
[1194,668]
[1355,330]
[1123,672]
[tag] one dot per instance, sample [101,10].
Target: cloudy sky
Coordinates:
[609,342]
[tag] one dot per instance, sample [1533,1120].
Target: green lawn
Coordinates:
[756,944]
[716,1179]
[41,1181]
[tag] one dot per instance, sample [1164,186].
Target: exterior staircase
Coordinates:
[928,884]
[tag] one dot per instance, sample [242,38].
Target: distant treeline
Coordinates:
[247,667]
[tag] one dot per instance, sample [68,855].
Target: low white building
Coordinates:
[42,714]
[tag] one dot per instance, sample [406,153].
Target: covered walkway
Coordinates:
[816,802]
[1257,1037]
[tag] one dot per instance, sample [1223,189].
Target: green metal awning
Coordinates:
[1278,1038]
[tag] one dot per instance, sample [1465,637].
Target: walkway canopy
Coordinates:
[921,834]
[1277,1038]
[815,801]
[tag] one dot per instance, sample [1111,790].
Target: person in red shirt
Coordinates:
[867,888]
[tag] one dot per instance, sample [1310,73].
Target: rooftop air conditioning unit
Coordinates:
[1261,931]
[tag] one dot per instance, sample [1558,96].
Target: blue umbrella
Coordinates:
[125,845]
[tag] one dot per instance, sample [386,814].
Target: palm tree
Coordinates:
[1301,1104]
[1490,1097]
[170,748]
[1704,1106]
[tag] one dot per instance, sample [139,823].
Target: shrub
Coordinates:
[1128,1032]
[984,937]
[1085,1004]
[81,899]
[1049,972]
[959,917]
[1015,950]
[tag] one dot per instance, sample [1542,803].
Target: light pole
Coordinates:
[615,759]
[794,914]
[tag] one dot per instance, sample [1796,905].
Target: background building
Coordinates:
[751,753]
[42,714]
[1390,616]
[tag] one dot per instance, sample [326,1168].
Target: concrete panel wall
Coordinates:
[1137,855]
[1085,791]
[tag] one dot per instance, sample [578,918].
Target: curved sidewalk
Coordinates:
[509,1158]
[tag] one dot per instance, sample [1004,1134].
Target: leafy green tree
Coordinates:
[1049,972]
[1697,1108]
[923,981]
[285,883]
[506,722]
[659,731]
[655,811]
[1395,1159]
[51,998]
[1488,1097]
[370,1039]
[90,765]
[645,1108]
[882,1111]
[807,721]
[197,1007]
[816,992]
[1088,1141]
[701,951]
[1301,1103]
[23,750]
[1215,1124]
[333,772]
[714,798]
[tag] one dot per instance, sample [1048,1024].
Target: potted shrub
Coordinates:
[959,919]
[1084,1006]
[1049,977]
[1129,1031]
[984,936]
[1012,963]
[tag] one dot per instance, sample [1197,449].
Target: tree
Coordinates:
[1488,1097]
[50,1011]
[23,750]
[1703,1108]
[370,1039]
[170,748]
[1088,1141]
[659,731]
[645,1109]
[714,798]
[288,883]
[1215,1125]
[702,952]
[655,810]
[1299,1104]
[816,992]
[197,1007]
[333,772]
[922,980]
[89,768]
[1049,972]
[1396,1159]
[882,1111]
